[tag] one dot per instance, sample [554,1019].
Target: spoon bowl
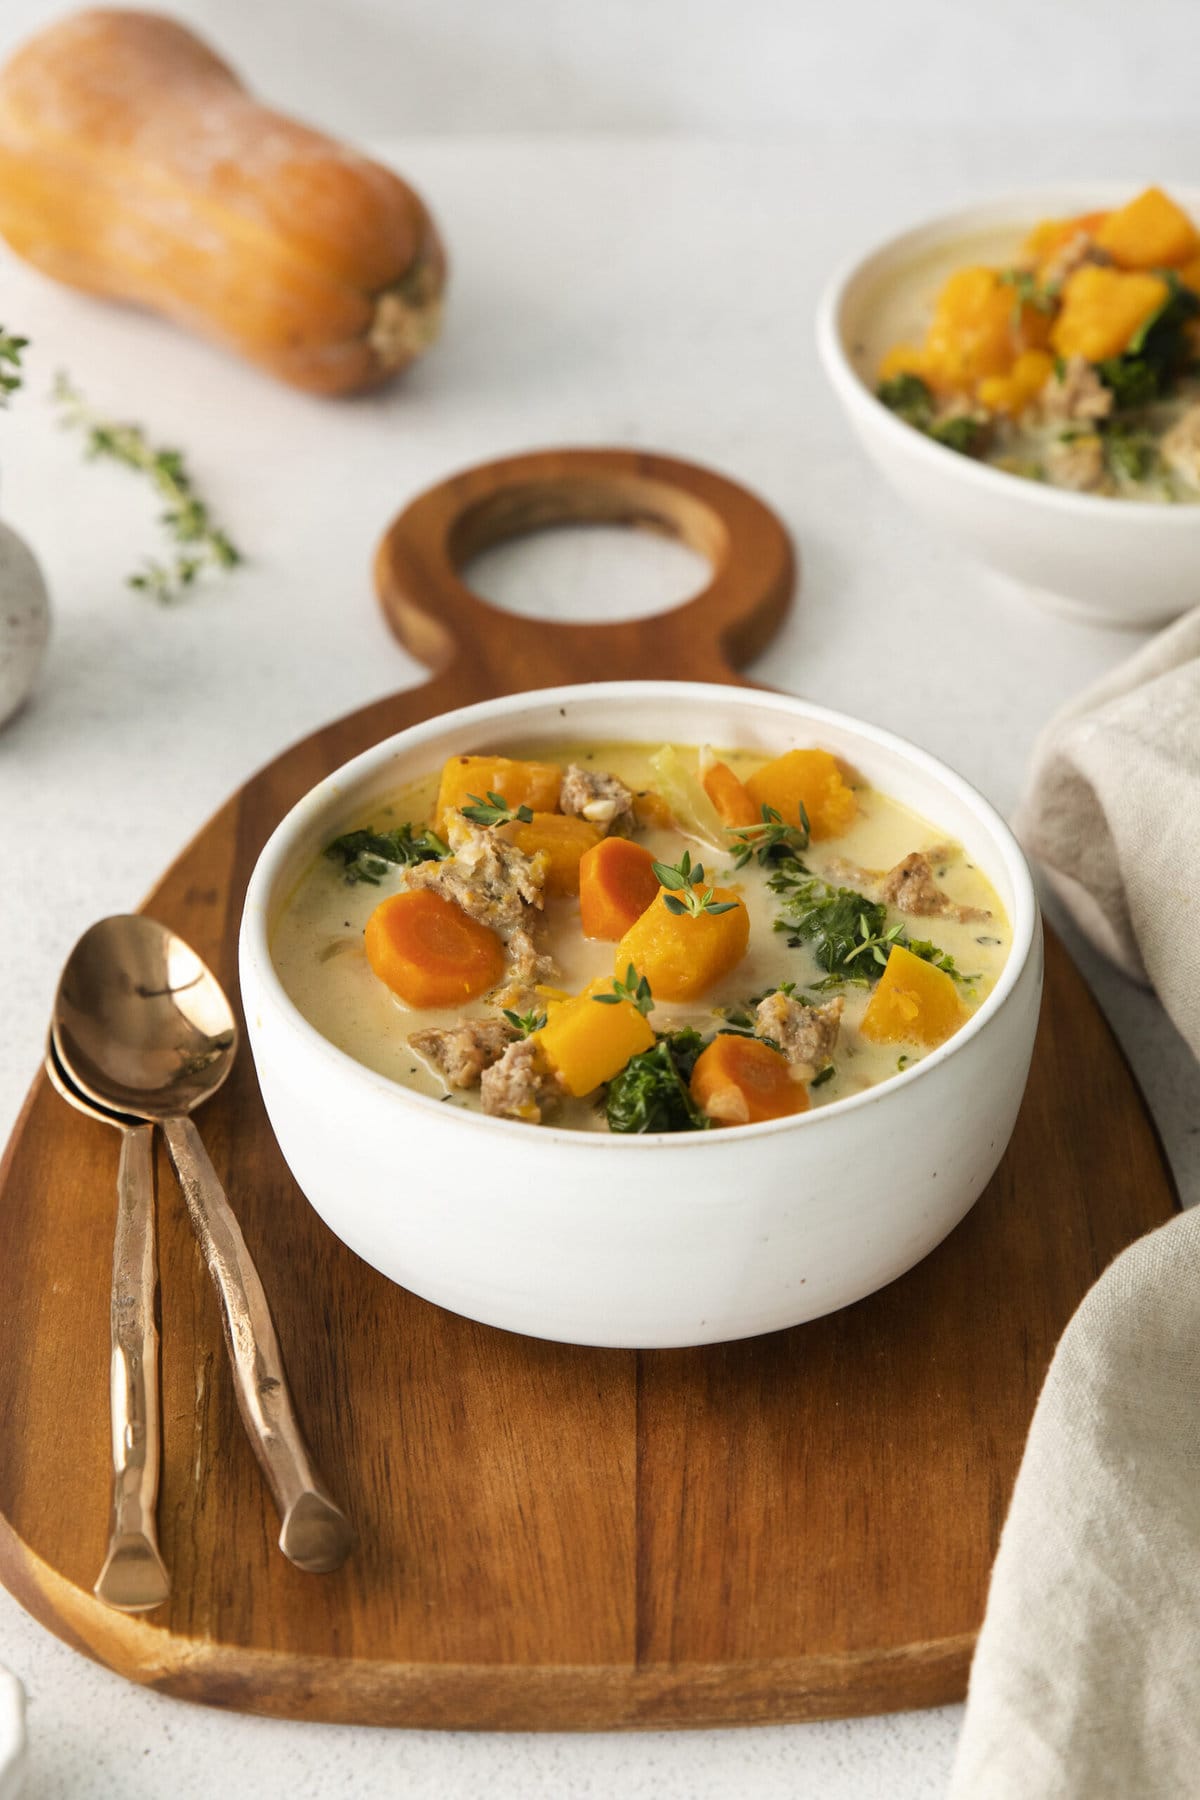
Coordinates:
[141,1025]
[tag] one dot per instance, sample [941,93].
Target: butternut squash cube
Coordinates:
[564,839]
[1152,232]
[902,359]
[533,784]
[1052,235]
[651,811]
[979,328]
[587,1042]
[810,778]
[914,1003]
[682,955]
[1102,309]
[1011,394]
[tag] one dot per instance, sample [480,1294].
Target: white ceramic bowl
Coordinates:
[659,1240]
[1118,562]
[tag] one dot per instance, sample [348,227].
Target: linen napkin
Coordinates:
[1113,814]
[1086,1679]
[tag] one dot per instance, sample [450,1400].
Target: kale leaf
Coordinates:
[965,433]
[651,1091]
[849,934]
[909,398]
[838,922]
[367,855]
[1129,452]
[1157,354]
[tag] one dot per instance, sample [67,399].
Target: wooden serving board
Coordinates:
[795,1526]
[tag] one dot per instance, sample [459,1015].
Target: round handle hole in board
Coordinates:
[580,573]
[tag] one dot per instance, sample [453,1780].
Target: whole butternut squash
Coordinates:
[134,164]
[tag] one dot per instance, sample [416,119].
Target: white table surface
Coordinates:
[656,293]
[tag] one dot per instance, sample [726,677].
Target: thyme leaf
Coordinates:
[686,895]
[772,841]
[525,1023]
[635,988]
[187,518]
[12,377]
[495,810]
[1026,292]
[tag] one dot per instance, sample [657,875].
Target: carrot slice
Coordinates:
[429,952]
[616,884]
[740,1081]
[730,796]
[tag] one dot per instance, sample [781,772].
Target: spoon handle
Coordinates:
[133,1578]
[314,1533]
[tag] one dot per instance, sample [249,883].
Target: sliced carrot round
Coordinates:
[741,1080]
[730,796]
[427,950]
[616,884]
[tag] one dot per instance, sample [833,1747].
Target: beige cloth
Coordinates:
[1086,1680]
[1113,814]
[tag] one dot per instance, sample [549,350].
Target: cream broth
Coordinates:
[317,943]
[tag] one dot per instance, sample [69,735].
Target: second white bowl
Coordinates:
[1116,562]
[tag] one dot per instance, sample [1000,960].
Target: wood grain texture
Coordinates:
[792,1527]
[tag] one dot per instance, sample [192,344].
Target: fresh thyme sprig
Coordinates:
[11,377]
[525,1023]
[686,896]
[187,518]
[1026,292]
[634,988]
[495,810]
[876,944]
[771,841]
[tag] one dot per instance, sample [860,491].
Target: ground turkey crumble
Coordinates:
[595,796]
[910,887]
[498,885]
[807,1035]
[460,1053]
[1076,462]
[1181,445]
[1075,395]
[1077,251]
[519,1086]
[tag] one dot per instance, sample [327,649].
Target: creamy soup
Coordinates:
[825,960]
[1067,357]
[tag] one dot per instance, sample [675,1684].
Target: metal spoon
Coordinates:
[133,1578]
[143,1027]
